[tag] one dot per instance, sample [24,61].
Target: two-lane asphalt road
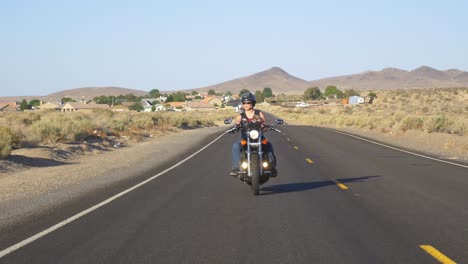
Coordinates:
[337,199]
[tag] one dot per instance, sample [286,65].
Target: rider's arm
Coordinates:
[238,120]
[262,116]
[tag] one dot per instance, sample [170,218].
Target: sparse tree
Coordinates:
[170,98]
[67,99]
[35,102]
[154,93]
[104,99]
[312,93]
[194,92]
[332,91]
[350,92]
[267,92]
[259,96]
[179,97]
[243,91]
[136,107]
[24,105]
[211,92]
[128,97]
[372,96]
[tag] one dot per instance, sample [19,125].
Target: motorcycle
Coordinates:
[255,165]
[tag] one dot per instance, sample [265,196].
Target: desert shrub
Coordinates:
[411,123]
[29,118]
[142,121]
[349,122]
[425,110]
[58,127]
[347,110]
[97,112]
[45,132]
[439,124]
[8,140]
[459,128]
[121,123]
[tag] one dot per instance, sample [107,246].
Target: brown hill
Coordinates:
[391,78]
[282,82]
[275,78]
[91,92]
[85,93]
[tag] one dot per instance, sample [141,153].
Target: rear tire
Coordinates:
[255,178]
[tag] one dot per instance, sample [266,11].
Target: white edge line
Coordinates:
[383,145]
[85,212]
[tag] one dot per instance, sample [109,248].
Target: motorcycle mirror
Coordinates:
[279,121]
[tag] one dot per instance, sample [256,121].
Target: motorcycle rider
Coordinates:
[248,103]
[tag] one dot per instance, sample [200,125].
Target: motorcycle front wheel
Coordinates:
[255,177]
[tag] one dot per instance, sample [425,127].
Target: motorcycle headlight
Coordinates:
[254,134]
[244,165]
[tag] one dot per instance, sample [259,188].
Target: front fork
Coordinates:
[260,155]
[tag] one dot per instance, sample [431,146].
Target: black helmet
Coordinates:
[249,97]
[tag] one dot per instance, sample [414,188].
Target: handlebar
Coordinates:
[233,129]
[236,128]
[273,128]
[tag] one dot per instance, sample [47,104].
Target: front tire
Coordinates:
[255,177]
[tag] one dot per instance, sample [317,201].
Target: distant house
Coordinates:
[147,105]
[234,103]
[159,107]
[73,106]
[176,105]
[215,101]
[8,107]
[161,99]
[200,106]
[48,106]
[150,100]
[120,108]
[353,100]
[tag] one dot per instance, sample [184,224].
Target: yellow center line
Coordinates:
[295,147]
[437,254]
[342,186]
[310,161]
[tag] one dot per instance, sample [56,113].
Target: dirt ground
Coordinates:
[439,145]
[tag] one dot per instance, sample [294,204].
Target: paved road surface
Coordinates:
[394,204]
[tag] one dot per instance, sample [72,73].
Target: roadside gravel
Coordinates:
[443,146]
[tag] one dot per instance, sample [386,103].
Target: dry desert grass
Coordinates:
[34,128]
[434,114]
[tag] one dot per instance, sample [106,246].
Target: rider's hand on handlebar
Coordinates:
[234,129]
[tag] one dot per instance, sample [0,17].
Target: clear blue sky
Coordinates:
[50,45]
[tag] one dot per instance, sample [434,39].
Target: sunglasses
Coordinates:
[246,102]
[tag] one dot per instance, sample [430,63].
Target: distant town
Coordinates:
[180,101]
